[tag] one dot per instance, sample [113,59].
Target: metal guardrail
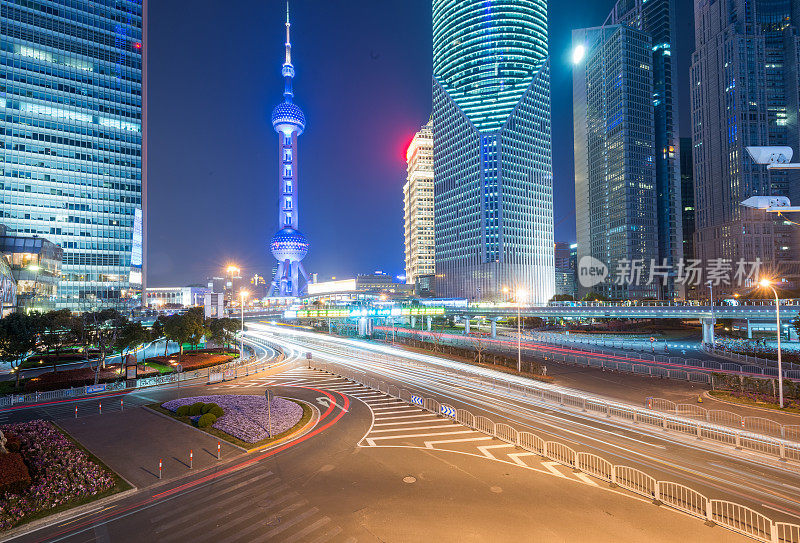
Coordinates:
[759,425]
[631,414]
[730,515]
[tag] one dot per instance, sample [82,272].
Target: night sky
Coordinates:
[364,82]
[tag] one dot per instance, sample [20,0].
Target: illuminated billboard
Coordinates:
[332,287]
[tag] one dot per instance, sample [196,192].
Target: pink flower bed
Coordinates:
[246,417]
[60,473]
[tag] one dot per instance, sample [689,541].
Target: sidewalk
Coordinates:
[132,441]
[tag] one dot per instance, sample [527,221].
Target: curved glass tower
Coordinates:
[289,246]
[492,156]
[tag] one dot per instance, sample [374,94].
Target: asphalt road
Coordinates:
[762,483]
[364,474]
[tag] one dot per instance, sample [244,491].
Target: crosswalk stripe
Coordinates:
[244,479]
[307,530]
[414,428]
[286,525]
[372,440]
[396,408]
[403,422]
[430,444]
[429,415]
[244,533]
[327,536]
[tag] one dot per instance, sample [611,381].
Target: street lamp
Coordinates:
[766,283]
[242,295]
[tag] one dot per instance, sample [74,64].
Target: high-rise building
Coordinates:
[493,183]
[72,159]
[657,19]
[565,269]
[418,206]
[615,193]
[289,246]
[687,198]
[744,91]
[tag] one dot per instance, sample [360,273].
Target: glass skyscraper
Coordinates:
[493,184]
[615,192]
[744,91]
[418,206]
[71,132]
[657,19]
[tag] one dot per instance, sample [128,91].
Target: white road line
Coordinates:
[516,457]
[551,467]
[372,440]
[384,410]
[414,428]
[430,444]
[403,422]
[485,449]
[406,416]
[586,479]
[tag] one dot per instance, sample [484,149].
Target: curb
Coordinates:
[195,429]
[299,433]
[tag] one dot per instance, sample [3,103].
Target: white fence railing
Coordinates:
[760,425]
[730,515]
[711,429]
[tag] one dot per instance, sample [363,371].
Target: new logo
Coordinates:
[591,271]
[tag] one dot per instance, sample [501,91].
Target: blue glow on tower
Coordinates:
[289,246]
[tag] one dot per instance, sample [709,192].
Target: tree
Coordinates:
[195,321]
[56,327]
[131,336]
[104,327]
[177,329]
[594,297]
[796,325]
[18,336]
[562,298]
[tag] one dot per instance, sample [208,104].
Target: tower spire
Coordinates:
[288,69]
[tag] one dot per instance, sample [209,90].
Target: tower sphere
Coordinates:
[287,117]
[289,244]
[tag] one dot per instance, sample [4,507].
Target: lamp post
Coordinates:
[766,283]
[242,295]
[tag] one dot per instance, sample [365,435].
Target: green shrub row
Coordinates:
[200,409]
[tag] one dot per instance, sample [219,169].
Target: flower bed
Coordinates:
[193,360]
[62,474]
[246,417]
[54,380]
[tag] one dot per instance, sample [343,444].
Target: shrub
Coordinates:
[182,411]
[216,411]
[207,407]
[14,474]
[12,444]
[196,409]
[206,420]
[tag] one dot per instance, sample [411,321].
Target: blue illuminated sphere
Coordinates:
[287,117]
[289,244]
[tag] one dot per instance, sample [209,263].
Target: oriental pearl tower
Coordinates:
[288,245]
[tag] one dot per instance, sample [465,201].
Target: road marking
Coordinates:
[415,428]
[485,449]
[371,440]
[551,467]
[307,530]
[396,409]
[516,457]
[402,422]
[586,479]
[430,444]
[407,416]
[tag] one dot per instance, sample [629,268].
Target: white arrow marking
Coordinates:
[326,402]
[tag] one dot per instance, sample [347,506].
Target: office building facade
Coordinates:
[744,92]
[72,162]
[418,206]
[565,269]
[656,18]
[493,185]
[615,192]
